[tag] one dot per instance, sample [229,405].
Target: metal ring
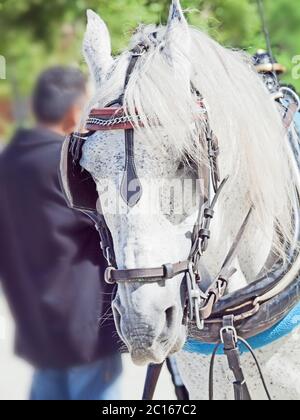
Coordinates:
[107,275]
[293,94]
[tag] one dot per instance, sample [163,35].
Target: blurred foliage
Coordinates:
[36,33]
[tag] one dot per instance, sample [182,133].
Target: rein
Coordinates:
[215,316]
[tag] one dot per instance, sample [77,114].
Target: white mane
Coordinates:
[243,116]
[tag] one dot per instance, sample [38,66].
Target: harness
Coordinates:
[214,316]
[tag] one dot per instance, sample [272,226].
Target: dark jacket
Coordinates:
[51,265]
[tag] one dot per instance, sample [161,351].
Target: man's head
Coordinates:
[58,98]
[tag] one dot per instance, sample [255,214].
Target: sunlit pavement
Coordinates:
[15,375]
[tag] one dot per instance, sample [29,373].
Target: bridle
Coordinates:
[114,119]
[216,317]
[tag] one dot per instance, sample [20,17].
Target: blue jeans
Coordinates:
[97,381]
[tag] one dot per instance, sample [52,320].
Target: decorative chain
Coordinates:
[111,122]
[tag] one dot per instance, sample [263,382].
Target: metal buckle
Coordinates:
[195,296]
[78,135]
[228,329]
[222,286]
[168,271]
[142,51]
[107,275]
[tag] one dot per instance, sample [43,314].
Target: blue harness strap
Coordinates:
[280,330]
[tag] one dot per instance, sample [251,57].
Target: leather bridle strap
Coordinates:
[167,271]
[219,286]
[181,392]
[136,53]
[131,188]
[153,374]
[230,340]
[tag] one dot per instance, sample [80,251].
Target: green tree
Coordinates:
[35,33]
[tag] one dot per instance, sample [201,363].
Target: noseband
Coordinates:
[212,312]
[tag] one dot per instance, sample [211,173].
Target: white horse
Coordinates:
[254,153]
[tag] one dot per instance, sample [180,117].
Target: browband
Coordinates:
[109,119]
[106,119]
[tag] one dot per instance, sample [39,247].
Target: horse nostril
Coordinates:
[170,316]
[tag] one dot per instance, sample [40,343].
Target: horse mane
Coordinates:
[254,147]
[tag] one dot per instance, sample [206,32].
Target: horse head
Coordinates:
[178,83]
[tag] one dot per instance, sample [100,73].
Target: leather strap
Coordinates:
[218,288]
[131,187]
[136,52]
[213,153]
[104,234]
[180,389]
[153,374]
[250,318]
[107,112]
[167,271]
[230,340]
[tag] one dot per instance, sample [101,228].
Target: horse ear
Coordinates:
[178,37]
[97,47]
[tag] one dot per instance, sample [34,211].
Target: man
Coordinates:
[271,71]
[50,260]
